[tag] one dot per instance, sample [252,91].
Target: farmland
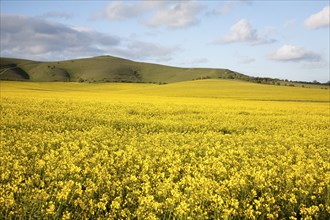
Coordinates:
[207,149]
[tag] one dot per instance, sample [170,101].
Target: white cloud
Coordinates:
[171,14]
[319,20]
[242,31]
[121,10]
[177,15]
[295,54]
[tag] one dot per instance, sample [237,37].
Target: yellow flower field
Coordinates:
[212,149]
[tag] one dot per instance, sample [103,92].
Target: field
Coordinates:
[207,149]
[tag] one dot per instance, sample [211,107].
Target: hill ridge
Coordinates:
[106,69]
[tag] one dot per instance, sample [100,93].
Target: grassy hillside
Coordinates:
[104,69]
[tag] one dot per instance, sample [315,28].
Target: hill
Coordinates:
[105,69]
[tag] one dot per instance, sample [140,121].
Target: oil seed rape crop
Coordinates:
[107,155]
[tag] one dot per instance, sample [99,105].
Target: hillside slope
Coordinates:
[105,69]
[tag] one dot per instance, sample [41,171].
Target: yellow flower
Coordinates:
[51,209]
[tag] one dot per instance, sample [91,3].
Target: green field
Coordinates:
[206,149]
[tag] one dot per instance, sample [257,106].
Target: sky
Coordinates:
[278,39]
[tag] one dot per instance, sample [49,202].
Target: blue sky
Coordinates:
[280,39]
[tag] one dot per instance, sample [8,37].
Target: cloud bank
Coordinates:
[23,35]
[35,38]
